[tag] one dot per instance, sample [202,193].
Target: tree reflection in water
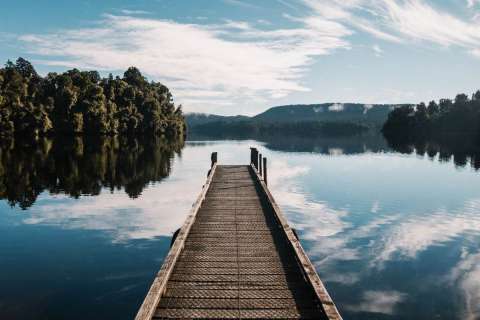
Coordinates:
[82,166]
[461,149]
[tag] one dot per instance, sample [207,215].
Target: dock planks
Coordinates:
[237,258]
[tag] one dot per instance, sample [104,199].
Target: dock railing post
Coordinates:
[251,155]
[254,157]
[260,164]
[214,159]
[265,170]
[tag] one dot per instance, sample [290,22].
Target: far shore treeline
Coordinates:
[438,121]
[81,102]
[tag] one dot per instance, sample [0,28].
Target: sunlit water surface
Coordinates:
[392,236]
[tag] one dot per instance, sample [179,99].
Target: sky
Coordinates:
[243,56]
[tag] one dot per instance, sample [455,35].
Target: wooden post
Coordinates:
[254,157]
[265,170]
[260,164]
[214,159]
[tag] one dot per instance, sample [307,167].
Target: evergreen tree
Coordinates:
[81,102]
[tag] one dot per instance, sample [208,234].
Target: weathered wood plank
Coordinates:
[235,257]
[147,309]
[310,272]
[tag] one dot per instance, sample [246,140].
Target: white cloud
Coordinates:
[342,278]
[133,12]
[242,4]
[475,52]
[472,3]
[314,219]
[377,50]
[399,21]
[379,302]
[116,214]
[159,211]
[337,107]
[367,107]
[466,274]
[234,59]
[247,62]
[371,29]
[287,4]
[416,234]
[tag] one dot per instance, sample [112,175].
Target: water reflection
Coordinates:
[393,236]
[81,166]
[386,232]
[457,149]
[462,150]
[333,145]
[328,144]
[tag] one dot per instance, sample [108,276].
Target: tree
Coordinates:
[432,108]
[81,102]
[461,117]
[134,78]
[461,99]
[25,68]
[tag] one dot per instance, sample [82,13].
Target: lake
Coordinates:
[84,226]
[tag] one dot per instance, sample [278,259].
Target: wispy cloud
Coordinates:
[405,20]
[287,4]
[475,52]
[379,302]
[466,275]
[472,3]
[133,12]
[252,61]
[411,236]
[235,60]
[377,50]
[240,3]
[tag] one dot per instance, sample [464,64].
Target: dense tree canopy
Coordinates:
[81,102]
[458,117]
[258,129]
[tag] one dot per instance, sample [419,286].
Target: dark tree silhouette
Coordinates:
[458,117]
[447,128]
[81,102]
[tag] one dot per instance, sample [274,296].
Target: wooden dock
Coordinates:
[235,257]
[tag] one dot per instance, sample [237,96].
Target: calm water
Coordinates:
[393,236]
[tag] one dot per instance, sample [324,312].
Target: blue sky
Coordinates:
[243,56]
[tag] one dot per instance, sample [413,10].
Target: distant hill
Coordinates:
[327,112]
[331,112]
[196,119]
[315,119]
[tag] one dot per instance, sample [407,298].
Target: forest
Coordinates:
[459,117]
[81,102]
[258,129]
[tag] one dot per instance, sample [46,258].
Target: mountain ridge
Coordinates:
[370,114]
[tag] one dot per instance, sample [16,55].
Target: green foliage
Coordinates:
[256,129]
[458,117]
[81,102]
